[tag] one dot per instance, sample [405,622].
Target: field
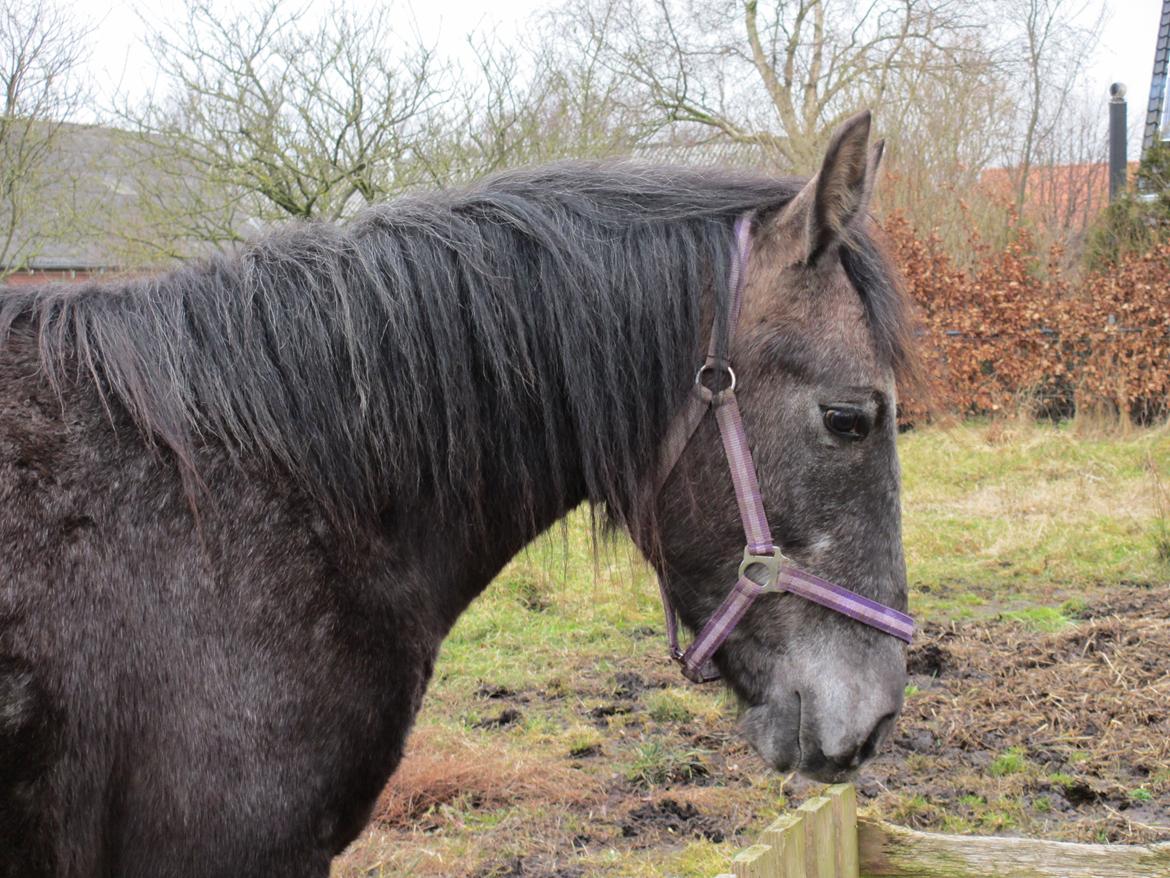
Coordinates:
[557,739]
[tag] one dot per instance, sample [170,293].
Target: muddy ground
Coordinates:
[1007,729]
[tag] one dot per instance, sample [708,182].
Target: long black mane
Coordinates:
[541,325]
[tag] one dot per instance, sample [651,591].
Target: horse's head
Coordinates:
[815,352]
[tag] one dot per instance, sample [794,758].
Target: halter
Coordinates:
[762,559]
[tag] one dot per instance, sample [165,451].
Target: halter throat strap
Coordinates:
[764,567]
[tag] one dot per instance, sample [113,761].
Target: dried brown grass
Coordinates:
[1100,688]
[442,769]
[1087,701]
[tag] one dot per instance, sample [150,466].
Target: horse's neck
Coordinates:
[463,553]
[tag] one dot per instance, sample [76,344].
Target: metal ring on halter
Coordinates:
[770,563]
[705,392]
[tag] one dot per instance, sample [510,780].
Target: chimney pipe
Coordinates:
[1117,141]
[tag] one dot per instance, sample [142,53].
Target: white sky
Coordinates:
[119,60]
[1126,55]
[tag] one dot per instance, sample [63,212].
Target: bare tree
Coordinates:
[949,116]
[1067,184]
[268,114]
[1047,49]
[520,106]
[968,95]
[41,49]
[777,77]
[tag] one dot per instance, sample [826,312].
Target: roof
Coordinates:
[1071,194]
[75,186]
[92,202]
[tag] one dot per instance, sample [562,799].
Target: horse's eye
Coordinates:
[847,423]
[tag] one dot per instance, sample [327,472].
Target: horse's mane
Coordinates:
[541,325]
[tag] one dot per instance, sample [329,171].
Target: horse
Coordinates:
[243,501]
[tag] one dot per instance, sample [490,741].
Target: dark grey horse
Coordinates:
[242,503]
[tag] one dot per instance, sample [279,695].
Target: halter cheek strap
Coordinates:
[769,569]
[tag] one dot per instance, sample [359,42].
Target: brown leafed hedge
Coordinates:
[1008,334]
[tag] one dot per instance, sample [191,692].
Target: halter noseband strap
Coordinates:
[764,568]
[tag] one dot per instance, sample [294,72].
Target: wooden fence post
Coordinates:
[824,838]
[820,860]
[785,836]
[753,863]
[907,853]
[844,799]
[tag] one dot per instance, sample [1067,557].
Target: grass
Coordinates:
[997,516]
[1013,761]
[1022,522]
[1043,619]
[1160,528]
[656,764]
[669,707]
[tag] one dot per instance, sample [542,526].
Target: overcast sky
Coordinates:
[1126,53]
[120,60]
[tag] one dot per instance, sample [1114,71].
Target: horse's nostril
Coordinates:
[867,749]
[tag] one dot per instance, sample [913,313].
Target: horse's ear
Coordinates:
[839,192]
[872,165]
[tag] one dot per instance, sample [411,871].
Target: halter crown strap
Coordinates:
[761,556]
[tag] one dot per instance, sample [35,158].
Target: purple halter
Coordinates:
[760,553]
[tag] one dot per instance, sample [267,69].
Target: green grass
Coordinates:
[1010,762]
[583,741]
[1043,619]
[669,707]
[996,515]
[656,764]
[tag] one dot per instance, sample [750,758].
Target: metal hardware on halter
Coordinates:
[781,575]
[771,563]
[706,393]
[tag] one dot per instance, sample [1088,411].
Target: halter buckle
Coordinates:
[771,564]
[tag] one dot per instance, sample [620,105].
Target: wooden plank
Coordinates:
[753,862]
[844,799]
[888,850]
[820,860]
[785,835]
[771,861]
